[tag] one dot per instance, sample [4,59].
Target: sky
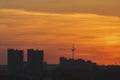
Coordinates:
[49,25]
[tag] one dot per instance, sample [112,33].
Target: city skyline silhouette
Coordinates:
[35,68]
[59,40]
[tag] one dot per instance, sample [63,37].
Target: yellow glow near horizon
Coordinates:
[111,40]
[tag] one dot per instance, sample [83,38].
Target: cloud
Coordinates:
[108,7]
[24,29]
[21,23]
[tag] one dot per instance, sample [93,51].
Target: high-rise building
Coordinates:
[35,61]
[15,61]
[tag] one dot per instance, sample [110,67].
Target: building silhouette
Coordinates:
[76,64]
[35,61]
[15,61]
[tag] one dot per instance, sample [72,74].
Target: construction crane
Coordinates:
[73,49]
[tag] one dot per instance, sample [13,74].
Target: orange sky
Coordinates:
[104,7]
[94,31]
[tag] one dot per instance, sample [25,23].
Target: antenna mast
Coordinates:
[73,51]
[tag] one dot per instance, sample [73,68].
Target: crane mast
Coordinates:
[73,51]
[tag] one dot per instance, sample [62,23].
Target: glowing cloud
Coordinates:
[95,35]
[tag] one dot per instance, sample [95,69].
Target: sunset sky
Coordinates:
[92,25]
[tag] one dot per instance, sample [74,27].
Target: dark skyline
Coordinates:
[36,69]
